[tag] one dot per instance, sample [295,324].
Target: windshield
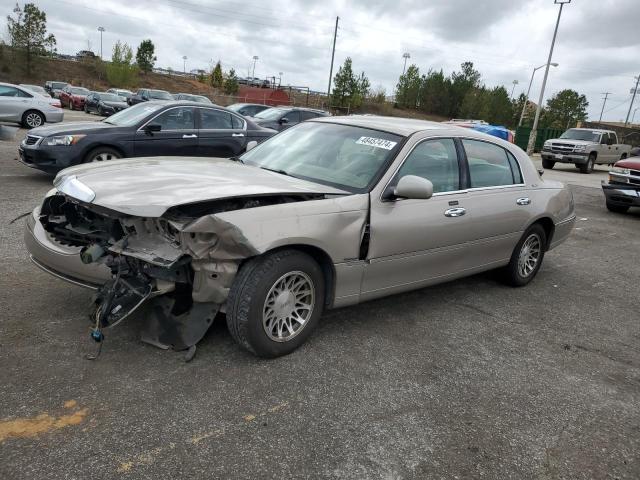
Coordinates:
[270,113]
[132,115]
[79,91]
[342,156]
[587,135]
[110,97]
[160,95]
[235,107]
[124,93]
[58,85]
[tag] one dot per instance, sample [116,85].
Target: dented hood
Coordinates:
[147,187]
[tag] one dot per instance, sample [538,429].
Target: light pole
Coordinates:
[634,91]
[526,98]
[101,29]
[634,115]
[255,59]
[534,129]
[184,64]
[515,82]
[406,56]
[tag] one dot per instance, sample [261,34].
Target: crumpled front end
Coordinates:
[184,262]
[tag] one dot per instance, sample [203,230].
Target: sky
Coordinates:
[597,48]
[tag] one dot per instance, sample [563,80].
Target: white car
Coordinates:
[30,109]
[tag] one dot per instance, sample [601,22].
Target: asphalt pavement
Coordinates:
[470,379]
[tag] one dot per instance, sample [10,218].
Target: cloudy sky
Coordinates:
[598,47]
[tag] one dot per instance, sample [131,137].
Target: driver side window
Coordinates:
[176,119]
[437,161]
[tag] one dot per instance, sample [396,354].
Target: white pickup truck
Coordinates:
[584,147]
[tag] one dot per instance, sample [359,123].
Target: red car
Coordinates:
[73,97]
[623,188]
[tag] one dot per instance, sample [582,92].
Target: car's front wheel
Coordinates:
[275,302]
[32,119]
[588,167]
[548,164]
[527,257]
[102,154]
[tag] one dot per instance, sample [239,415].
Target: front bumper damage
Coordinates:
[180,266]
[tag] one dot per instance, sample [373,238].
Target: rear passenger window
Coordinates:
[490,165]
[435,160]
[237,123]
[214,119]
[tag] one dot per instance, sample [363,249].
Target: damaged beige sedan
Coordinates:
[329,213]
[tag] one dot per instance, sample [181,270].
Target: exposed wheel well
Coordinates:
[323,259]
[549,228]
[595,154]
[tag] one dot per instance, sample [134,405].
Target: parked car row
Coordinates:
[21,104]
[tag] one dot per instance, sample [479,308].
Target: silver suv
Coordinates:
[30,109]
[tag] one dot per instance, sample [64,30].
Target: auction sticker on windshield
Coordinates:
[376,142]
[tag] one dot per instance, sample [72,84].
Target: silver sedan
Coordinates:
[332,212]
[30,109]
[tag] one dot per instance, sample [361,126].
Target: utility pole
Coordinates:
[526,98]
[406,56]
[534,129]
[184,64]
[604,102]
[333,54]
[635,90]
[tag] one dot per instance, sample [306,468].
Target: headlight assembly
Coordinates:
[620,171]
[579,148]
[64,140]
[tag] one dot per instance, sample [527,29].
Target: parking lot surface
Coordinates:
[464,380]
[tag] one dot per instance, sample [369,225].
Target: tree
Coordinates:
[565,109]
[121,71]
[28,33]
[145,57]
[378,95]
[461,83]
[435,93]
[408,88]
[217,79]
[348,90]
[231,86]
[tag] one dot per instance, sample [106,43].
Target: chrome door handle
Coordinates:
[523,201]
[237,134]
[455,212]
[192,135]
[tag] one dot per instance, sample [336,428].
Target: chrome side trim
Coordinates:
[61,276]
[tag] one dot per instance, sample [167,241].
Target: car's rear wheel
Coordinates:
[617,208]
[86,108]
[32,119]
[588,166]
[548,164]
[527,257]
[102,154]
[71,104]
[275,302]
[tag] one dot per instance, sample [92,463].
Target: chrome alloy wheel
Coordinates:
[34,120]
[288,306]
[529,255]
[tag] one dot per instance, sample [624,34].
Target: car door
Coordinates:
[604,156]
[415,242]
[178,135]
[221,133]
[13,103]
[616,153]
[499,204]
[91,102]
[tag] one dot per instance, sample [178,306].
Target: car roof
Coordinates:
[252,105]
[397,125]
[186,103]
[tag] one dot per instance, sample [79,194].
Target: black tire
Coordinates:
[512,272]
[100,112]
[71,107]
[548,164]
[617,208]
[623,157]
[246,301]
[32,119]
[588,167]
[107,152]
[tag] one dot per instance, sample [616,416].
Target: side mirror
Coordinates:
[413,187]
[284,121]
[154,127]
[250,145]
